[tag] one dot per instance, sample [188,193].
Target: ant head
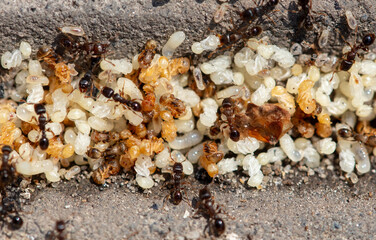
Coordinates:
[204,193]
[227,102]
[60,225]
[100,48]
[368,39]
[177,197]
[136,106]
[256,30]
[274,2]
[16,222]
[178,167]
[219,226]
[6,149]
[39,109]
[234,135]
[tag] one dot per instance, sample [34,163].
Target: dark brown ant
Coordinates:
[8,177]
[58,233]
[75,47]
[79,47]
[229,39]
[305,19]
[176,194]
[207,208]
[40,110]
[349,58]
[110,93]
[251,14]
[7,171]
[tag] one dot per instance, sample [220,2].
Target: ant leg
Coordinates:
[343,37]
[186,199]
[165,199]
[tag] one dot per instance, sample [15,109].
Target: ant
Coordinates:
[366,134]
[40,110]
[110,93]
[305,19]
[266,123]
[177,174]
[250,14]
[229,39]
[59,234]
[228,108]
[74,46]
[176,193]
[349,58]
[7,177]
[206,207]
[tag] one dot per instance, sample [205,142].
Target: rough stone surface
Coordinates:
[319,209]
[322,209]
[128,24]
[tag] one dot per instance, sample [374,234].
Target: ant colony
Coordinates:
[218,111]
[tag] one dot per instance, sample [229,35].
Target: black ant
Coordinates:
[75,46]
[207,208]
[176,193]
[177,174]
[8,177]
[349,59]
[40,110]
[59,234]
[305,19]
[110,93]
[229,39]
[251,14]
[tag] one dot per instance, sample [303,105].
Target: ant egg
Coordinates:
[323,39]
[74,30]
[351,21]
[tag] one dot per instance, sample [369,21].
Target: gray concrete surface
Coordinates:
[128,24]
[321,209]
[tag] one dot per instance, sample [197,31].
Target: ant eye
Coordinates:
[136,106]
[6,149]
[16,222]
[256,31]
[234,135]
[368,39]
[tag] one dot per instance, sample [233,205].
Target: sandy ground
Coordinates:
[319,209]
